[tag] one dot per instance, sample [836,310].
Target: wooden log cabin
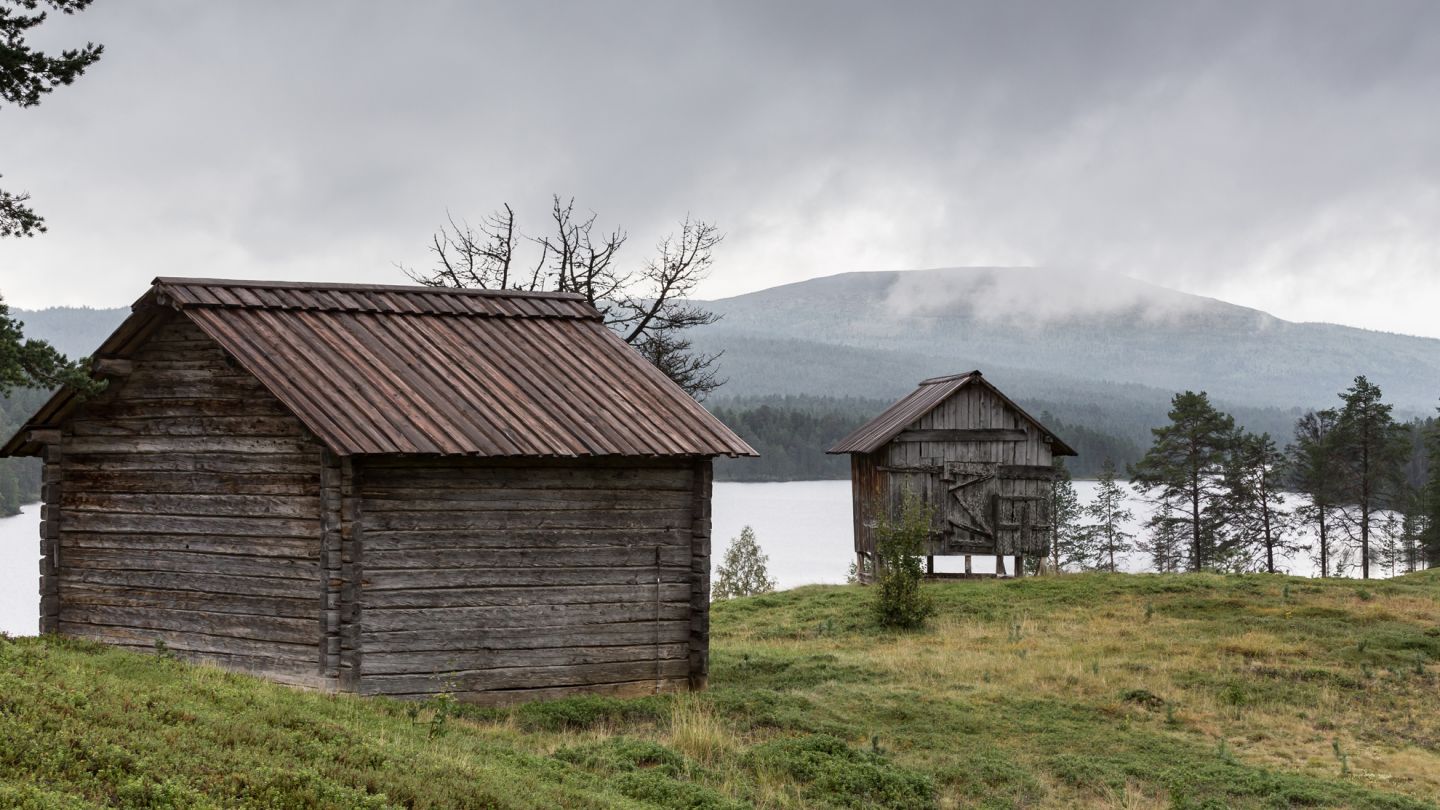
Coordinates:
[979,461]
[383,490]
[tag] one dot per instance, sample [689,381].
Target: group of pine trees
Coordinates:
[1367,486]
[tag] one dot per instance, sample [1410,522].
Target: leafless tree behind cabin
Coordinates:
[649,307]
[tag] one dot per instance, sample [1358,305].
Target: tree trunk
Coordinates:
[1196,562]
[1269,536]
[1365,508]
[1324,547]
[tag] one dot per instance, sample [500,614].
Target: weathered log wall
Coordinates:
[498,582]
[975,427]
[184,506]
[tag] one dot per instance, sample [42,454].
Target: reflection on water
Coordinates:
[804,527]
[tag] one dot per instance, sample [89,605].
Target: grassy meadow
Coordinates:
[1123,691]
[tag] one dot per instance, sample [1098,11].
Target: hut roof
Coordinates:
[874,434]
[373,369]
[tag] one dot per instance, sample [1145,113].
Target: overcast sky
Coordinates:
[1284,156]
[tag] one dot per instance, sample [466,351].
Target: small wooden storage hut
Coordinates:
[397,490]
[976,458]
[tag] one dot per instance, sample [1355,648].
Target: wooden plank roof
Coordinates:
[420,370]
[876,433]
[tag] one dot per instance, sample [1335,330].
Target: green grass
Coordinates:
[1195,691]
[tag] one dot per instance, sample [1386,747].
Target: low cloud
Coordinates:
[1023,296]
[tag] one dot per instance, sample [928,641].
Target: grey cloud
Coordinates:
[1282,155]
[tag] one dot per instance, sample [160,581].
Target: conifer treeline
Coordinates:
[19,477]
[1368,486]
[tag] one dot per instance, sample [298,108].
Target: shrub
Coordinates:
[899,545]
[837,775]
[742,572]
[584,712]
[620,754]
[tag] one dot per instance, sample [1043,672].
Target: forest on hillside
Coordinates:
[19,477]
[792,432]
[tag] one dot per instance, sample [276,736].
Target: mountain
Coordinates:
[1049,335]
[1101,351]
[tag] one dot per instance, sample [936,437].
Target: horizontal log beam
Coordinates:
[644,558]
[410,663]
[1038,472]
[582,675]
[44,436]
[248,654]
[434,638]
[519,596]
[424,579]
[962,435]
[112,366]
[473,620]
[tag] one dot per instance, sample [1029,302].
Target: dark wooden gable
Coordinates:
[972,454]
[183,503]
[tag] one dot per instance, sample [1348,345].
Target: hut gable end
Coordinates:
[183,507]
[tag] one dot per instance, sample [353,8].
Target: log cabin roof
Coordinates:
[876,433]
[373,369]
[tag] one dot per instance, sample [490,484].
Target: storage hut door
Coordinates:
[967,490]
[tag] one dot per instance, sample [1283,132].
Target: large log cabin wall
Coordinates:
[498,581]
[183,508]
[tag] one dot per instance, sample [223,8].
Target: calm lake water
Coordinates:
[804,527]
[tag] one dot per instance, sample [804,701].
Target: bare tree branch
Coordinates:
[648,307]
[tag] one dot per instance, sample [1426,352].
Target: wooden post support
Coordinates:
[967,563]
[1019,565]
[1000,566]
[930,564]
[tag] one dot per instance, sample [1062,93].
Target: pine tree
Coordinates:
[1110,517]
[742,572]
[1429,507]
[1256,522]
[1185,464]
[1405,549]
[9,491]
[26,76]
[29,363]
[1067,536]
[1313,467]
[1164,540]
[899,543]
[1372,450]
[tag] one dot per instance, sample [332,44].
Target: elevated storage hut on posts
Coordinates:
[981,463]
[393,490]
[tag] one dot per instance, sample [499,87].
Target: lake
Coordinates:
[804,527]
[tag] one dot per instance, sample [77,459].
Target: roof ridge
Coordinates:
[415,289]
[950,377]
